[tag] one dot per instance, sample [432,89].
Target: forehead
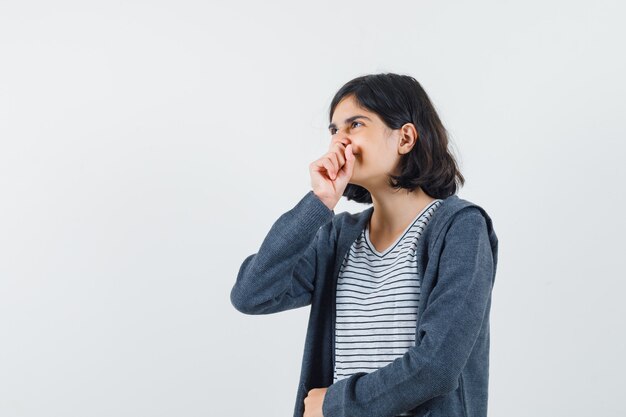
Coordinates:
[347,109]
[348,104]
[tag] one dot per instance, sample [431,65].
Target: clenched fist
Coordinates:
[331,173]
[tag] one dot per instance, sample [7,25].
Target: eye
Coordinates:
[333,130]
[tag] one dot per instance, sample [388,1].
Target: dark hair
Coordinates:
[399,99]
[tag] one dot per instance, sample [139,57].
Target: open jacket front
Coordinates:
[446,373]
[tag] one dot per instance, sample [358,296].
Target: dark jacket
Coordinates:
[446,373]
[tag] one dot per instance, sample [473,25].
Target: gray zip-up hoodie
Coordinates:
[446,373]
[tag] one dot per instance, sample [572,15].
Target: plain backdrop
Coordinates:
[146,148]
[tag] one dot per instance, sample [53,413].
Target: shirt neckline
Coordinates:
[399,238]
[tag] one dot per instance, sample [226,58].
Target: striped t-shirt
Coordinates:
[378,294]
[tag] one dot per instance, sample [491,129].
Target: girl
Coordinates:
[400,293]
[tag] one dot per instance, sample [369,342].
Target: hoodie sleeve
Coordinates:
[281,275]
[449,327]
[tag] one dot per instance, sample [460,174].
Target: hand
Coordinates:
[331,173]
[313,402]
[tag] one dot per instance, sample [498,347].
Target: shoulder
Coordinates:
[468,220]
[460,216]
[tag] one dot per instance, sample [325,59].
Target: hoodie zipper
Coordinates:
[334,310]
[334,318]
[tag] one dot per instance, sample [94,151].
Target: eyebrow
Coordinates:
[350,119]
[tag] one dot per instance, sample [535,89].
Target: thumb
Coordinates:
[349,161]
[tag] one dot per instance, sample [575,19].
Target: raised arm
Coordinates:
[280,276]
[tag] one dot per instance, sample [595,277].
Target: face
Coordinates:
[377,148]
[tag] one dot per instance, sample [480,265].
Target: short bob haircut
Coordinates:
[399,99]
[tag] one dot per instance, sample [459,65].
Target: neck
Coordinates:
[394,209]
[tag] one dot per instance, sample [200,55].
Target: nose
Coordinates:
[346,142]
[342,139]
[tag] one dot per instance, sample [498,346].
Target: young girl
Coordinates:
[400,293]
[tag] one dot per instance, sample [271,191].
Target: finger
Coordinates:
[322,165]
[340,150]
[340,145]
[330,168]
[348,167]
[333,157]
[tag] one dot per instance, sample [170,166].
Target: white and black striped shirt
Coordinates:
[378,294]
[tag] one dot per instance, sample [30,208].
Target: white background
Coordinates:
[147,147]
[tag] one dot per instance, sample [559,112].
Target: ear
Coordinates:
[408,138]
